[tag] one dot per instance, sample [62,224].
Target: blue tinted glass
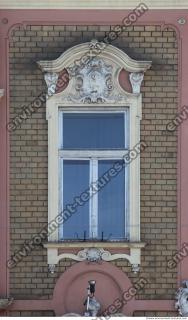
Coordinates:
[93,131]
[111,202]
[75,182]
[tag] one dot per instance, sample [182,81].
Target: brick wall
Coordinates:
[28,150]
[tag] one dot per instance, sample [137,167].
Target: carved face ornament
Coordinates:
[94,81]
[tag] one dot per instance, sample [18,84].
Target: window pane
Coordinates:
[75,181]
[93,131]
[111,202]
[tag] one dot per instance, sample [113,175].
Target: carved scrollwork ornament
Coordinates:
[93,83]
[91,254]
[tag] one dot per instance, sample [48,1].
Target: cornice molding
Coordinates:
[81,51]
[92,4]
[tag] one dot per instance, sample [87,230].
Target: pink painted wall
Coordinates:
[8,20]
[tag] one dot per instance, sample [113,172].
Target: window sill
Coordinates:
[93,251]
[94,244]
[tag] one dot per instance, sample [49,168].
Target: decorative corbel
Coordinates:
[136,81]
[51,81]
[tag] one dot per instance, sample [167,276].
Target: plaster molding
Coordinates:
[92,4]
[95,244]
[93,69]
[94,255]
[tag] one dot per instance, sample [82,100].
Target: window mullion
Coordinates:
[94,199]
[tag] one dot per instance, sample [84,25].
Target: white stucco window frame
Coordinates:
[71,99]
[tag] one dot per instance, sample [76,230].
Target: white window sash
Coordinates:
[93,156]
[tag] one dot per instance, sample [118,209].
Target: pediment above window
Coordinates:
[93,70]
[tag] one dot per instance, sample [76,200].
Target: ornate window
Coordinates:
[94,151]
